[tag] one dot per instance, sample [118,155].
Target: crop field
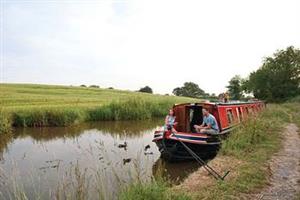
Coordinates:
[45,105]
[28,95]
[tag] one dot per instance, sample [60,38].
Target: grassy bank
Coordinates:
[157,189]
[252,144]
[248,148]
[43,105]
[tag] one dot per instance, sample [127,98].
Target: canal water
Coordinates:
[92,160]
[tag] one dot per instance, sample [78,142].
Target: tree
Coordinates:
[146,89]
[94,86]
[279,77]
[235,88]
[189,89]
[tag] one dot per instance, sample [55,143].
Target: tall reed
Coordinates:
[131,109]
[5,122]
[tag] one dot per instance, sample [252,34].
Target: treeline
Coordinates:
[277,80]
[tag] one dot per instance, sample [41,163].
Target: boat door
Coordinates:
[195,117]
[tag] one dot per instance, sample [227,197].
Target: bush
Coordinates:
[94,86]
[146,89]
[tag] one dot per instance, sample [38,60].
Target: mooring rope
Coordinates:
[208,168]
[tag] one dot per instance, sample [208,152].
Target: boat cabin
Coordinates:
[227,114]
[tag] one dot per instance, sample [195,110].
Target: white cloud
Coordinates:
[129,44]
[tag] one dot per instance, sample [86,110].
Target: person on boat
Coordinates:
[209,125]
[226,97]
[170,121]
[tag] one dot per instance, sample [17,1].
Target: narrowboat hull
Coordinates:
[172,149]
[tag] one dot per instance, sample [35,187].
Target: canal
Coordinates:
[92,160]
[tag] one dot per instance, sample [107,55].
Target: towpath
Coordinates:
[285,169]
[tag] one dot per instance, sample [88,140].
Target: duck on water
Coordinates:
[199,126]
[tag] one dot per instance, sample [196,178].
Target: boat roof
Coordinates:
[219,103]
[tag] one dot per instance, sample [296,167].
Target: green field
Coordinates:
[48,105]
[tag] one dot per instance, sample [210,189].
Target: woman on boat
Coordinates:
[170,121]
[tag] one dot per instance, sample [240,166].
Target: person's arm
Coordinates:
[202,125]
[208,126]
[175,123]
[166,120]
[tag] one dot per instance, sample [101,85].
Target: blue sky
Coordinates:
[130,44]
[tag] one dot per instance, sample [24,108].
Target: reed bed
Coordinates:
[29,105]
[5,122]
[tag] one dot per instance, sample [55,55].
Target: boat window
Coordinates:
[229,116]
[247,110]
[240,113]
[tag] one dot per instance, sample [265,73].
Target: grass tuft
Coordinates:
[156,189]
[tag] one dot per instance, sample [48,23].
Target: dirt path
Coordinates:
[285,169]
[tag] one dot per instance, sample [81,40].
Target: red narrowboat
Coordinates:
[227,115]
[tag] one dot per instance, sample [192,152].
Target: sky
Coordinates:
[134,43]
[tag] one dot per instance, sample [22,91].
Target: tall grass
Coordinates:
[257,131]
[252,144]
[156,189]
[47,117]
[131,109]
[5,122]
[42,105]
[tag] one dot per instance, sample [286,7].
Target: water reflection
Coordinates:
[123,128]
[103,157]
[174,172]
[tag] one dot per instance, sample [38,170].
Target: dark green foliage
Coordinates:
[295,99]
[94,86]
[146,89]
[82,85]
[279,77]
[189,89]
[235,88]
